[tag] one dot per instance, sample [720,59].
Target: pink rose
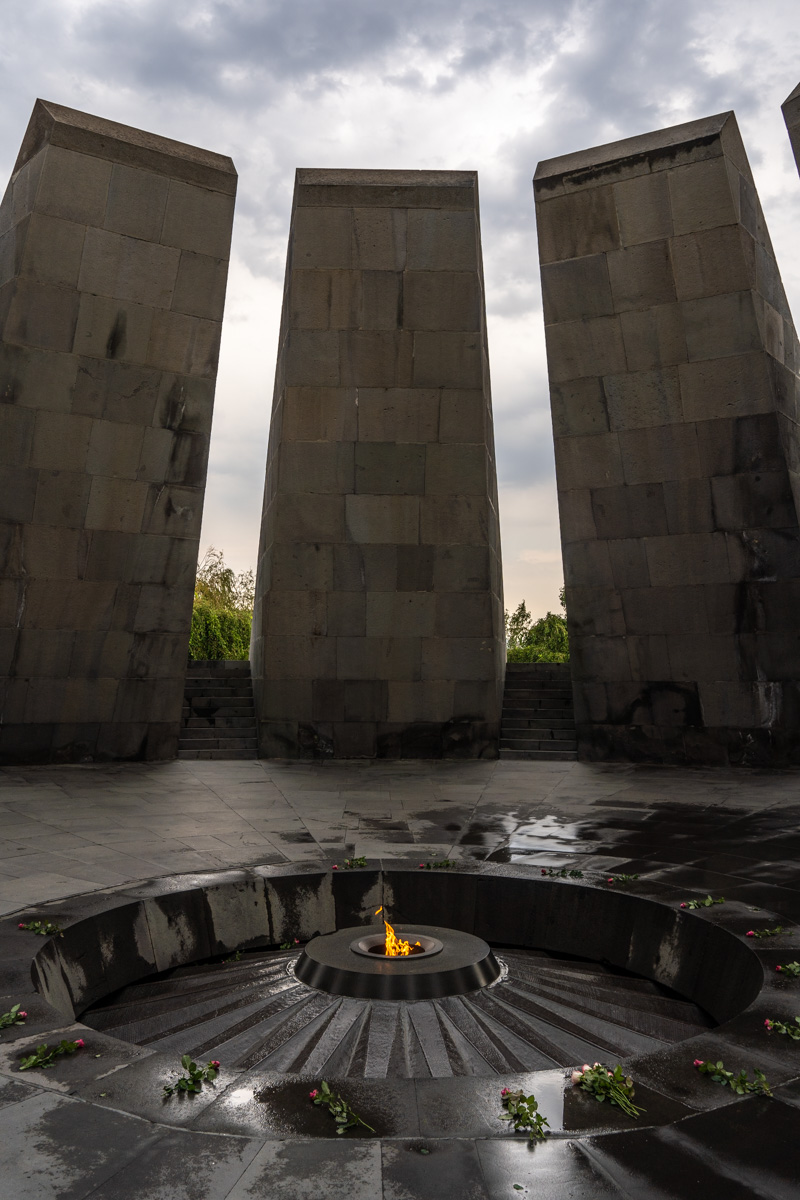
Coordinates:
[22,1014]
[750,933]
[297,941]
[768,1023]
[80,1042]
[698,1062]
[215,1063]
[611,881]
[313,1095]
[683,906]
[586,1067]
[779,968]
[335,867]
[543,871]
[20,926]
[422,864]
[577,1076]
[505,1092]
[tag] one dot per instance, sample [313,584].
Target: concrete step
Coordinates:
[190,737]
[539,728]
[217,708]
[537,691]
[244,690]
[219,743]
[244,721]
[537,744]
[513,705]
[538,756]
[219,755]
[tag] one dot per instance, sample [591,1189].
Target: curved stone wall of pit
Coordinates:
[146,930]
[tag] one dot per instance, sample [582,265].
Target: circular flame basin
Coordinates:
[344,964]
[375,945]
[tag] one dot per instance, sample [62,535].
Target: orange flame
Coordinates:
[395,946]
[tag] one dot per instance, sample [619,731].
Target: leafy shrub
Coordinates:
[222,615]
[544,640]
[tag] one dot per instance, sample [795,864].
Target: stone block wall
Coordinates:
[674,391]
[114,248]
[378,627]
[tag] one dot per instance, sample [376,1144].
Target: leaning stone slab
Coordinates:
[114,247]
[673,379]
[378,627]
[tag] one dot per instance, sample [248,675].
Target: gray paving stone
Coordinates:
[296,1171]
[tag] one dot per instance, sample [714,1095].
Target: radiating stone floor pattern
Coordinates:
[71,830]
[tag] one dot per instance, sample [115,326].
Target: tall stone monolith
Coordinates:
[114,247]
[674,392]
[378,625]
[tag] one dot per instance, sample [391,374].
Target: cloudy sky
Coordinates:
[492,85]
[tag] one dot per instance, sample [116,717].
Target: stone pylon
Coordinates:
[114,248]
[791,115]
[673,380]
[378,627]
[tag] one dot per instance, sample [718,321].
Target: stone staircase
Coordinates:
[218,719]
[538,721]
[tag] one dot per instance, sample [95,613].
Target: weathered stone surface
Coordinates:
[673,370]
[378,607]
[113,258]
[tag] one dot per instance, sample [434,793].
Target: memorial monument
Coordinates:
[378,626]
[114,246]
[673,379]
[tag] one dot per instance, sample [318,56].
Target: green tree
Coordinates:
[222,615]
[544,640]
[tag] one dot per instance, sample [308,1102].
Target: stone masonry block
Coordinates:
[382,519]
[387,468]
[136,202]
[643,398]
[579,224]
[400,614]
[111,226]
[579,348]
[654,337]
[73,187]
[313,414]
[643,209]
[441,240]
[641,276]
[399,414]
[448,360]
[380,490]
[436,300]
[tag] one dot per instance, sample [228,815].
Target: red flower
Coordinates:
[335,867]
[80,1042]
[20,926]
[768,1023]
[611,881]
[750,933]
[543,871]
[313,1095]
[779,968]
[505,1092]
[215,1063]
[698,1062]
[683,906]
